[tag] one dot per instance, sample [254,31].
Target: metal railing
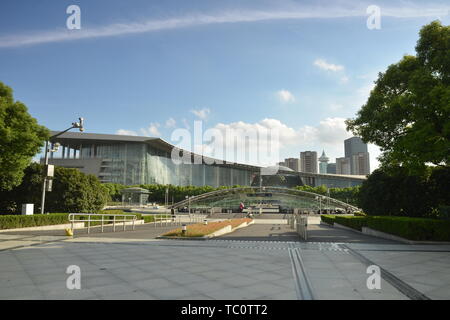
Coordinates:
[166,220]
[300,224]
[117,218]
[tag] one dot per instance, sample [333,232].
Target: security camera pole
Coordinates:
[48,170]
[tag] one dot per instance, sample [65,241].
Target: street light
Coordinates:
[189,204]
[75,125]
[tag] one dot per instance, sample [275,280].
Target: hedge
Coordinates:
[23,221]
[353,222]
[37,220]
[418,229]
[328,218]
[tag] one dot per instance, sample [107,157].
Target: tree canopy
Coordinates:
[21,138]
[407,114]
[73,191]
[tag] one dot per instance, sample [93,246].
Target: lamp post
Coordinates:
[189,204]
[75,125]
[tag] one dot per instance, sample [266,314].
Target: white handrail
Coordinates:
[102,220]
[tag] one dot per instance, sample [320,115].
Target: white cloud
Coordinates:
[201,113]
[171,123]
[285,96]
[237,16]
[328,134]
[124,132]
[324,65]
[152,130]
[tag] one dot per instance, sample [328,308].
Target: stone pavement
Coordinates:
[217,269]
[263,261]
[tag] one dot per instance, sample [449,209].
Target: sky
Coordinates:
[152,67]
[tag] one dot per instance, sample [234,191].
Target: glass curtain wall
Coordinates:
[140,163]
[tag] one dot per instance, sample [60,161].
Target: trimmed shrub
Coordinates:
[328,218]
[352,222]
[419,229]
[37,220]
[22,221]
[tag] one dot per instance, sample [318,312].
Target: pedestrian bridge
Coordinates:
[269,199]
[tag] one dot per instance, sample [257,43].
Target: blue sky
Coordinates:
[148,67]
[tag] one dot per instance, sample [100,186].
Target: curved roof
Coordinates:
[281,168]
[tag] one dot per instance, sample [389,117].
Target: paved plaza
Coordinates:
[240,265]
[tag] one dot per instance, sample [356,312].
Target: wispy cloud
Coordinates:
[285,96]
[201,113]
[152,130]
[124,132]
[119,29]
[324,65]
[171,123]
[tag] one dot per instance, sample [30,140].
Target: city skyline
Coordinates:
[356,160]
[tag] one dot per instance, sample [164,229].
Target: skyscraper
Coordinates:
[293,163]
[343,165]
[359,165]
[308,161]
[323,163]
[331,168]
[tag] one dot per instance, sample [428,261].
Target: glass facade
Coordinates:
[141,163]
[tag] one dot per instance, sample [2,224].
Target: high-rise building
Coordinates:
[323,163]
[308,161]
[343,166]
[331,168]
[354,146]
[293,163]
[360,163]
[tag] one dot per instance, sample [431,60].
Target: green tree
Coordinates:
[21,138]
[408,111]
[73,191]
[396,192]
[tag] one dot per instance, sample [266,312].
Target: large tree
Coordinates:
[21,138]
[407,114]
[73,191]
[394,191]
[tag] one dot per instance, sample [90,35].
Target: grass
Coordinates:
[200,230]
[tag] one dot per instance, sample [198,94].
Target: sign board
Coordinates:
[49,185]
[49,170]
[27,209]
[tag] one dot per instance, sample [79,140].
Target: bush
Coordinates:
[22,221]
[359,214]
[73,191]
[352,222]
[328,218]
[419,229]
